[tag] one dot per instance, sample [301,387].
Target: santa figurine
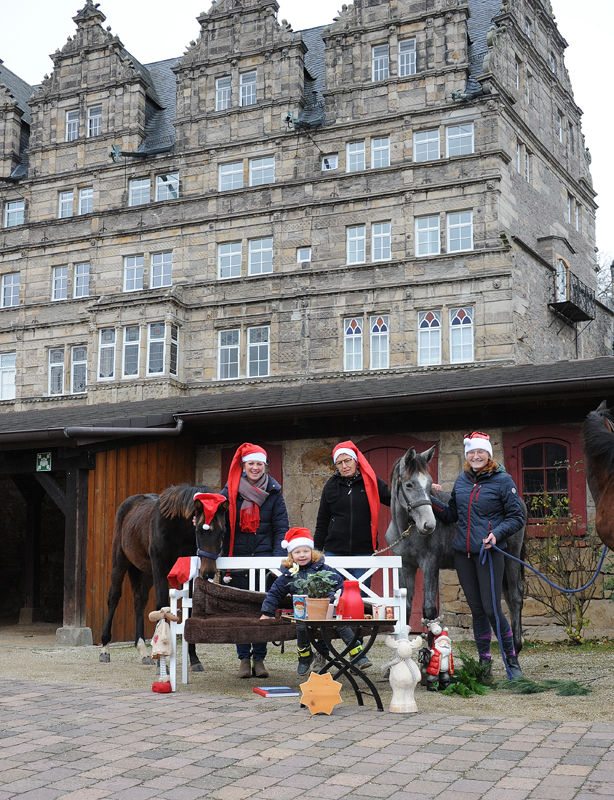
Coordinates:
[441,665]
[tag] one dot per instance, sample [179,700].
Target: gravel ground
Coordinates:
[28,652]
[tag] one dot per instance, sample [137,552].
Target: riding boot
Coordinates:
[245,669]
[259,670]
[514,666]
[486,665]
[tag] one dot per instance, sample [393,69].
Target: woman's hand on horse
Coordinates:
[490,540]
[437,487]
[194,520]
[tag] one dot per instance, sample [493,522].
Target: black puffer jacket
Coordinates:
[343,526]
[284,585]
[271,531]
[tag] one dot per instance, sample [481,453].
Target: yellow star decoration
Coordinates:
[321,693]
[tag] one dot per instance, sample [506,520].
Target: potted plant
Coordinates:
[317,586]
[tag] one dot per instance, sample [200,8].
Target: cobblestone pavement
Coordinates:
[83,743]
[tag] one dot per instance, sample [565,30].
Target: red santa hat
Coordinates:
[210,503]
[297,537]
[477,441]
[369,478]
[184,570]
[246,452]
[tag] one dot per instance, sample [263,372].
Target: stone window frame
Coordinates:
[78,280]
[381,239]
[257,348]
[407,57]
[235,171]
[380,153]
[467,332]
[130,348]
[248,89]
[229,349]
[380,62]
[352,344]
[423,142]
[354,234]
[14,216]
[352,156]
[261,171]
[161,269]
[156,348]
[169,183]
[59,283]
[223,94]
[256,250]
[86,199]
[134,273]
[303,255]
[229,257]
[94,121]
[66,202]
[330,162]
[72,123]
[106,348]
[78,363]
[379,341]
[459,140]
[429,331]
[135,191]
[427,244]
[56,371]
[11,289]
[457,222]
[8,372]
[559,125]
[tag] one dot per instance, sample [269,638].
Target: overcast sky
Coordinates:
[153,30]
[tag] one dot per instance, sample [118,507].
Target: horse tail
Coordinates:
[178,501]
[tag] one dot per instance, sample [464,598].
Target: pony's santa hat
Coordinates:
[297,537]
[210,503]
[477,441]
[369,478]
[246,452]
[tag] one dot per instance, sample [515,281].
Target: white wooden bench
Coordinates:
[388,566]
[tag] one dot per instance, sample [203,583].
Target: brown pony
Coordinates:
[598,442]
[151,532]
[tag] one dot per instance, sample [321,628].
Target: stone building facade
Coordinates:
[405,191]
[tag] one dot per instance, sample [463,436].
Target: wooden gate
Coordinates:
[141,469]
[382,452]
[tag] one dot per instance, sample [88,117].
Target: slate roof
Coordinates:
[313,112]
[482,13]
[159,129]
[555,382]
[20,90]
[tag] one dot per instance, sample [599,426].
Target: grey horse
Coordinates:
[423,541]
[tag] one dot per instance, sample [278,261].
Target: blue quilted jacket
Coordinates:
[284,585]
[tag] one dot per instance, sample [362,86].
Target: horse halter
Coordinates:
[204,553]
[412,505]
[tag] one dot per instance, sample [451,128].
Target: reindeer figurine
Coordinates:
[162,646]
[404,673]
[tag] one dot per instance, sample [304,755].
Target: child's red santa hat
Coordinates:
[246,452]
[297,537]
[184,570]
[369,478]
[210,503]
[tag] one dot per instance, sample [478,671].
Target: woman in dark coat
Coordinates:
[258,522]
[486,505]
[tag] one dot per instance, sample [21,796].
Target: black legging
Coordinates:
[475,581]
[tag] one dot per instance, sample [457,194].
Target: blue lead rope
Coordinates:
[485,554]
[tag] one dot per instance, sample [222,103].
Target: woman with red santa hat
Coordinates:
[258,522]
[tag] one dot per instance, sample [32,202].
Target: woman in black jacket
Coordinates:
[487,508]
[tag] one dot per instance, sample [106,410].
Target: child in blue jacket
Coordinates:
[303,560]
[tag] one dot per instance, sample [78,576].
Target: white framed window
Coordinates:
[460,231]
[161,270]
[133,273]
[552,63]
[461,335]
[517,73]
[380,152]
[352,344]
[380,342]
[355,156]
[407,57]
[230,176]
[426,145]
[577,216]
[261,170]
[167,186]
[60,283]
[229,260]
[258,351]
[56,370]
[222,93]
[569,205]
[260,256]
[173,360]
[86,201]
[559,126]
[94,121]
[518,157]
[303,255]
[10,290]
[65,204]
[106,354]
[356,238]
[528,87]
[380,241]
[380,62]
[228,354]
[72,125]
[330,162]
[81,280]
[14,213]
[7,376]
[428,240]
[459,139]
[131,351]
[248,88]
[156,340]
[429,338]
[527,166]
[139,192]
[78,369]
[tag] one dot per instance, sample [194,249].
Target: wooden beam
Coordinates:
[56,493]
[75,549]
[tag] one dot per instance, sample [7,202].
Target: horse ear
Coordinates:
[603,406]
[428,454]
[409,455]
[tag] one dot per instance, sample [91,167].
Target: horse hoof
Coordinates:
[105,658]
[147,661]
[197,667]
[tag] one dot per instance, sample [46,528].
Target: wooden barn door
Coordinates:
[382,452]
[141,469]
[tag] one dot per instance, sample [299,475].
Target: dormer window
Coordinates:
[72,125]
[94,121]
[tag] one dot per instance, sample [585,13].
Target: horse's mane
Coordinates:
[178,501]
[598,439]
[416,464]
